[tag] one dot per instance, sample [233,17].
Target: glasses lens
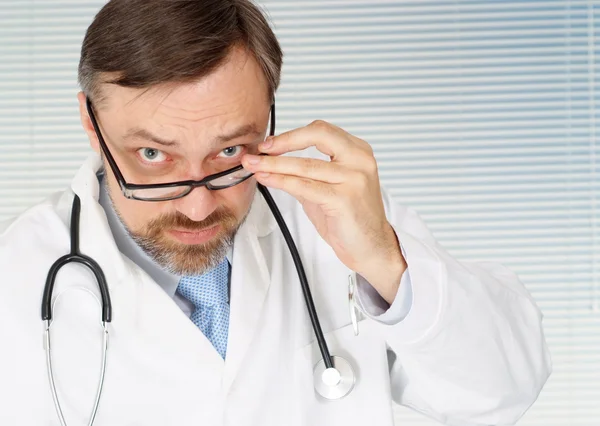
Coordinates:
[172,192]
[158,194]
[230,179]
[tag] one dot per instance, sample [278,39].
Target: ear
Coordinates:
[86,122]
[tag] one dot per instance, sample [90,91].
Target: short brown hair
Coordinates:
[149,42]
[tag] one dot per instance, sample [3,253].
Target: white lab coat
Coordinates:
[470,352]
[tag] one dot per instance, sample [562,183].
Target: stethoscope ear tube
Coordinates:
[312,313]
[75,256]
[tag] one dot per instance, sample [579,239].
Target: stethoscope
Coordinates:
[333,376]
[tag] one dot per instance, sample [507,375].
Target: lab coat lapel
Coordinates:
[95,236]
[153,317]
[250,279]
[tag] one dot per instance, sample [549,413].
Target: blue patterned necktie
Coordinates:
[209,294]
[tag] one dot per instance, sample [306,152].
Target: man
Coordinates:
[208,323]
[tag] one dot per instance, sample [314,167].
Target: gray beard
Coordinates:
[167,260]
[200,259]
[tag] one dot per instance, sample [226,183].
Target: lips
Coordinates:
[195,237]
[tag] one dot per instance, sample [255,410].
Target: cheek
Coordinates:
[135,214]
[132,214]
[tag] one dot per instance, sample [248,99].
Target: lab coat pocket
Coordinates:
[369,401]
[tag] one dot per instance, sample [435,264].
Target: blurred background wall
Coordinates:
[482,115]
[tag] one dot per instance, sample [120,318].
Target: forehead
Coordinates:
[235,91]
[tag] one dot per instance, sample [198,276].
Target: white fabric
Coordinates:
[377,308]
[470,352]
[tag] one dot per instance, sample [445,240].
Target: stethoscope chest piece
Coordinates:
[334,383]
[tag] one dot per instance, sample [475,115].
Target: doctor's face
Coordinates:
[180,132]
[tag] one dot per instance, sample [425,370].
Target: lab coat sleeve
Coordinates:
[471,350]
[376,306]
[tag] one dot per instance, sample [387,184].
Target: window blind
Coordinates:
[482,115]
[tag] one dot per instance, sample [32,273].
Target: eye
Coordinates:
[151,155]
[231,152]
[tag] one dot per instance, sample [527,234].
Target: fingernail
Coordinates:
[268,143]
[253,159]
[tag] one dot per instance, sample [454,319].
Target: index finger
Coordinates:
[328,139]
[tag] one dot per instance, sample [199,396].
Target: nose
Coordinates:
[198,204]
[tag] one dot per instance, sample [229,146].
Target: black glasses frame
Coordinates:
[128,188]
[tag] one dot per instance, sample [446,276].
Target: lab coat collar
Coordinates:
[250,281]
[95,237]
[128,247]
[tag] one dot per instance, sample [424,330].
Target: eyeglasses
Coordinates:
[172,190]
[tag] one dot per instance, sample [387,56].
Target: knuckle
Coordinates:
[356,185]
[320,125]
[311,167]
[371,165]
[369,149]
[361,181]
[366,158]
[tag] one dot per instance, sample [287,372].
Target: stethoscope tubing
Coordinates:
[75,257]
[308,299]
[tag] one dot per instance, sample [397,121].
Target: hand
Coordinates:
[341,197]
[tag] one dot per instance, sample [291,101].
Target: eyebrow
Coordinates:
[245,130]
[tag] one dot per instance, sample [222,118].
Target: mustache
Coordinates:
[180,221]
